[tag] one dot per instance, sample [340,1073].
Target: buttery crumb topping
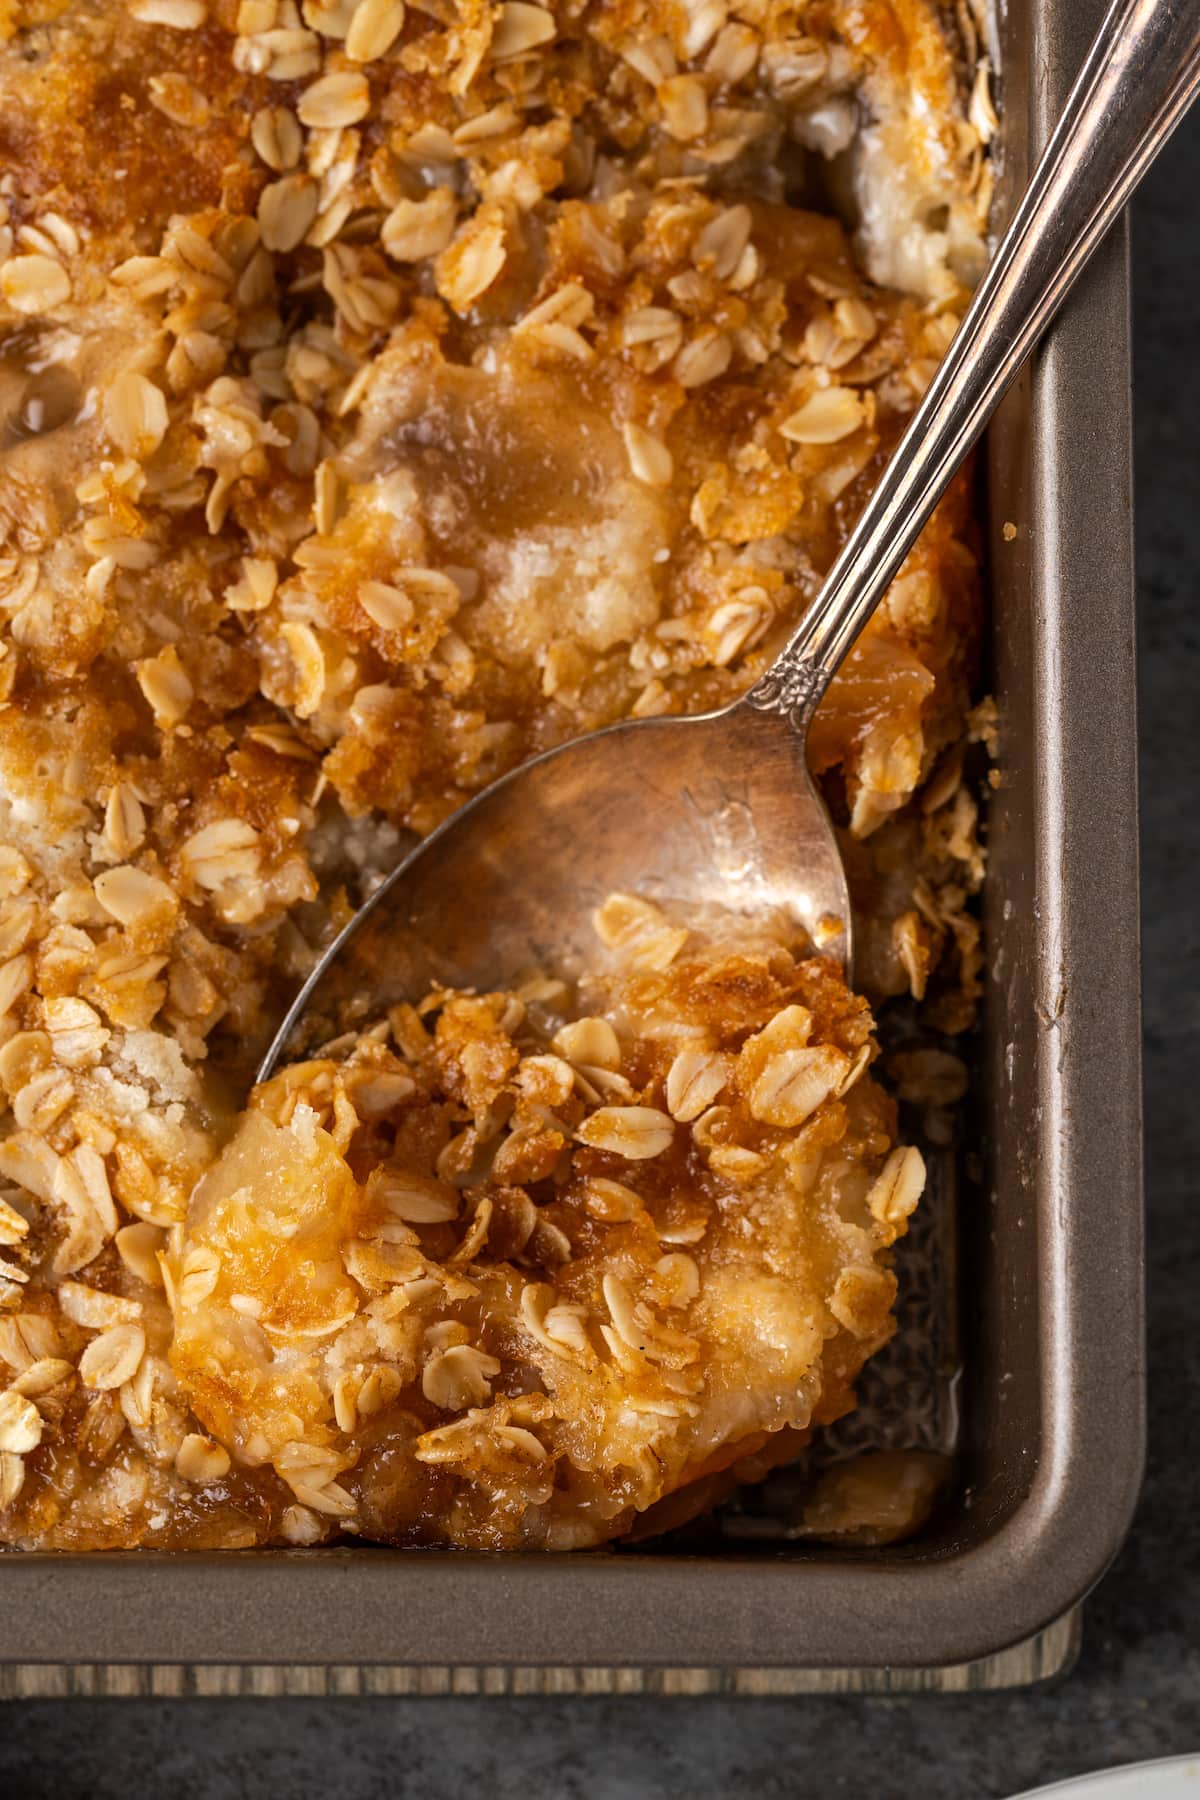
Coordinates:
[525,1264]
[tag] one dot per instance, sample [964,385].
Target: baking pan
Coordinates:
[1050,1402]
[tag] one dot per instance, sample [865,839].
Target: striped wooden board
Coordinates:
[1052,1652]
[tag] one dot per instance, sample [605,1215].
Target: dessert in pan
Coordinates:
[387,394]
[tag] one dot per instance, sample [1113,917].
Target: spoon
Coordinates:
[719,810]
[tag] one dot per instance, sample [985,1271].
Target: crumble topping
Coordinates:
[525,1264]
[386,393]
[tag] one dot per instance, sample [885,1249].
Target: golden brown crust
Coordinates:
[82,135]
[514,1273]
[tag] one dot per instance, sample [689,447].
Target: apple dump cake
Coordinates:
[386,393]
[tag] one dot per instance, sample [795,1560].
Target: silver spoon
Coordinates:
[719,810]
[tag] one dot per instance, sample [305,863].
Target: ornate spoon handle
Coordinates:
[1137,80]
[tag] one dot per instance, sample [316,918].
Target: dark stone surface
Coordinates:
[1136,1691]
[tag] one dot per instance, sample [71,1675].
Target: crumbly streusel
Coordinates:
[386,393]
[525,1265]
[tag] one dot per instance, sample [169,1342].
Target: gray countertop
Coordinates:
[1136,1690]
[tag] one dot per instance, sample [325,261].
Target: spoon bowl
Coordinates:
[717,811]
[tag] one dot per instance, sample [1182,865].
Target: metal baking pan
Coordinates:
[1050,1242]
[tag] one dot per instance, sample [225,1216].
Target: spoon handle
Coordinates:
[1137,81]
